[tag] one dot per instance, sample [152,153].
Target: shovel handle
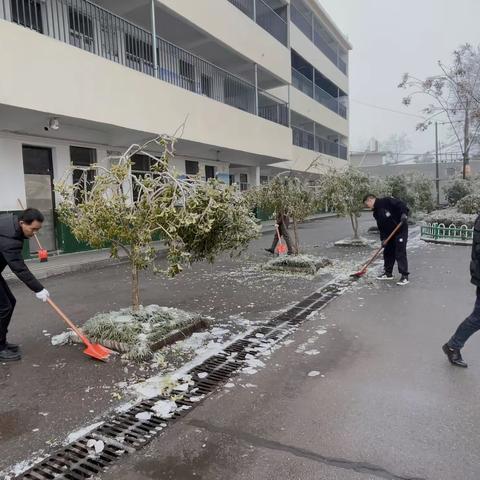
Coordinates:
[377,253]
[35,235]
[67,321]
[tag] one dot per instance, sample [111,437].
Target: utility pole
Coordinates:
[437,174]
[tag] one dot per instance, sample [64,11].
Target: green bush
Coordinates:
[457,189]
[470,204]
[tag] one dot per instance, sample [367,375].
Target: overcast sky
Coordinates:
[389,38]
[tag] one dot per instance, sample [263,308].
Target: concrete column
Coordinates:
[154,39]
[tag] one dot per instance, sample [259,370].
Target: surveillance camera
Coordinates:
[54,123]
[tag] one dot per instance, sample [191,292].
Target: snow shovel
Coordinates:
[94,350]
[363,270]
[42,252]
[281,247]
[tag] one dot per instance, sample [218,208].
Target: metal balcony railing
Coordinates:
[265,17]
[92,28]
[305,85]
[312,29]
[303,138]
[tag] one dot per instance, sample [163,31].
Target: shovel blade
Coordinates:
[97,351]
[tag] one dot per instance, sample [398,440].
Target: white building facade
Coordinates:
[258,85]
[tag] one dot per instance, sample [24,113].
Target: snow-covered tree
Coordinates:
[455,95]
[197,220]
[287,195]
[343,191]
[395,145]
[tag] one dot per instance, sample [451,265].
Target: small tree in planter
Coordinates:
[287,195]
[343,191]
[196,219]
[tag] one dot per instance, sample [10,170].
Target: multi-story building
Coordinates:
[256,84]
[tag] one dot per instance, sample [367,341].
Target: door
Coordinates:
[209,172]
[38,171]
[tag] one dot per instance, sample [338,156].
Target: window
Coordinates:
[83,158]
[27,13]
[243,182]
[206,85]
[263,179]
[109,39]
[187,74]
[141,166]
[81,29]
[209,172]
[138,52]
[191,168]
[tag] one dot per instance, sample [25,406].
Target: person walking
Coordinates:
[13,231]
[472,323]
[282,223]
[389,212]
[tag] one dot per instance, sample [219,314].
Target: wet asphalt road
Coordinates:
[56,390]
[388,406]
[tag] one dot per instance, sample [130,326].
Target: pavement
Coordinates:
[386,403]
[56,390]
[89,260]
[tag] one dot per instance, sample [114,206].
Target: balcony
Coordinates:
[305,85]
[87,26]
[312,29]
[303,138]
[265,17]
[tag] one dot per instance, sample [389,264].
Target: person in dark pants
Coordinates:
[472,323]
[389,212]
[13,231]
[282,222]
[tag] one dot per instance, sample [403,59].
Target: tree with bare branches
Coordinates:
[455,96]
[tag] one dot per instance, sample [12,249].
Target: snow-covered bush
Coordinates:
[298,264]
[450,216]
[456,189]
[470,204]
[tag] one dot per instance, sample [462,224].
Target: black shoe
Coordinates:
[454,356]
[269,250]
[12,347]
[403,281]
[9,356]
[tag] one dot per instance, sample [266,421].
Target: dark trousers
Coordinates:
[284,233]
[396,251]
[7,305]
[468,327]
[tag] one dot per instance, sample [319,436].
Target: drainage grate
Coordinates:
[124,433]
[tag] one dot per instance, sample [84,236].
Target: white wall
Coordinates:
[232,27]
[309,51]
[12,184]
[310,108]
[67,81]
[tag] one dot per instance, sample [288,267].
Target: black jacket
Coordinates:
[475,262]
[388,212]
[11,244]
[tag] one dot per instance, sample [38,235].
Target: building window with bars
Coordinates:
[27,13]
[81,29]
[83,158]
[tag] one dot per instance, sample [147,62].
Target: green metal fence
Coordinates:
[440,233]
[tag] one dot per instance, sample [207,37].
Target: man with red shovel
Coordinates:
[282,222]
[13,231]
[390,212]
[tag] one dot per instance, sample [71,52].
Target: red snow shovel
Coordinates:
[363,270]
[281,248]
[94,350]
[42,252]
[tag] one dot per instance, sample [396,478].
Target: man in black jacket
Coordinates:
[13,231]
[472,323]
[389,212]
